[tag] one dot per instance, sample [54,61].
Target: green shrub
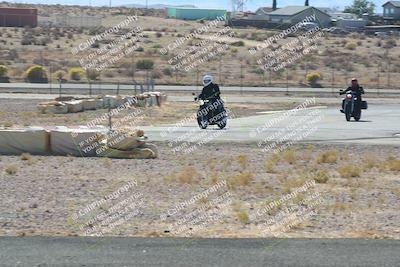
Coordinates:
[60,74]
[3,71]
[313,78]
[92,75]
[76,74]
[167,71]
[238,43]
[36,74]
[145,64]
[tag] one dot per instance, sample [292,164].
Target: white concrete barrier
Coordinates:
[33,140]
[78,141]
[74,106]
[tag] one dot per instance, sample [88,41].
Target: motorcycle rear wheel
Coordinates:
[222,124]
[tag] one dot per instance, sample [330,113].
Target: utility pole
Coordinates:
[241,77]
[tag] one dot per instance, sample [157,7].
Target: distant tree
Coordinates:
[307,3]
[361,7]
[274,5]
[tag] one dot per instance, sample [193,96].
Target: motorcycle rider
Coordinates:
[357,89]
[210,90]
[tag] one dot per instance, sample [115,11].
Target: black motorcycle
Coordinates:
[211,112]
[352,107]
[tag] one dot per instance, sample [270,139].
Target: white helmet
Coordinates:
[207,79]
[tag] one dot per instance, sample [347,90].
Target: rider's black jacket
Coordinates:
[358,91]
[210,92]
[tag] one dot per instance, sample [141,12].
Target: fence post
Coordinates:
[378,82]
[60,84]
[241,77]
[197,80]
[333,80]
[287,81]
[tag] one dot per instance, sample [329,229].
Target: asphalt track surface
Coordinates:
[380,124]
[124,251]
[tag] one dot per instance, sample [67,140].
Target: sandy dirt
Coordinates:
[42,195]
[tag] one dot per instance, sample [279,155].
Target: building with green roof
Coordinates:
[194,13]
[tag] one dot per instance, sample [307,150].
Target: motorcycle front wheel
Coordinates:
[358,116]
[203,124]
[347,112]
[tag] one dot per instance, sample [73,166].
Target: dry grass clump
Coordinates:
[330,156]
[321,176]
[271,163]
[214,178]
[107,162]
[396,191]
[11,169]
[243,161]
[25,156]
[290,156]
[292,184]
[393,164]
[349,171]
[339,207]
[370,161]
[8,124]
[243,216]
[186,175]
[241,179]
[241,212]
